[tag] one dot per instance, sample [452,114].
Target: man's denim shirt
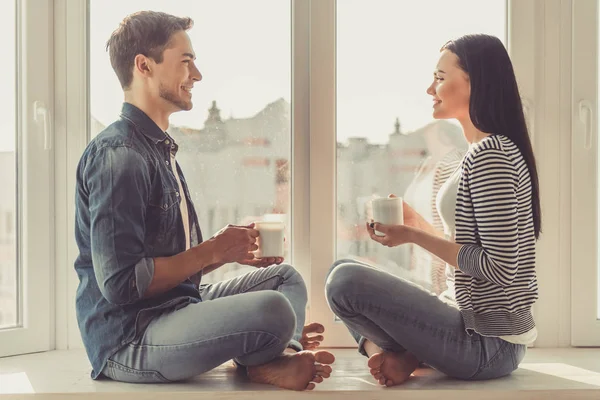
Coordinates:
[127,213]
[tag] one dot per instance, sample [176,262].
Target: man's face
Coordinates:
[174,78]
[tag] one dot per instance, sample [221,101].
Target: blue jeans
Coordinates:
[251,319]
[398,316]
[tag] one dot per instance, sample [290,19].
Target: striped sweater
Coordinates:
[495,281]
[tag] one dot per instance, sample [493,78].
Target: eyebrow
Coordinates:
[190,55]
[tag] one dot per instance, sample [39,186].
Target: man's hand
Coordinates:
[262,262]
[235,244]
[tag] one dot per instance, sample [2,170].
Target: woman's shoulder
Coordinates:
[497,149]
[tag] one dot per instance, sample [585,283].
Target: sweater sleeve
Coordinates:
[490,182]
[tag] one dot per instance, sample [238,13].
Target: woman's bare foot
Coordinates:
[312,342]
[300,371]
[392,369]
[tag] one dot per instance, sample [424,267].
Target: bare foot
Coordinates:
[392,369]
[300,371]
[312,342]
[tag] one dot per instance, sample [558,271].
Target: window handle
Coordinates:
[586,116]
[41,115]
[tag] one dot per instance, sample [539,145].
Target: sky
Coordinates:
[386,52]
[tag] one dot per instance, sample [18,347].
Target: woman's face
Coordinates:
[450,88]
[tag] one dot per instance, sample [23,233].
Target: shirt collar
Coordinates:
[143,122]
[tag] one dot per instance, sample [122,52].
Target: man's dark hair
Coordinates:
[144,32]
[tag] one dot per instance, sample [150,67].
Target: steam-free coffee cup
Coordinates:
[388,211]
[270,240]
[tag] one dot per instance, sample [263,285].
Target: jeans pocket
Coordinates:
[121,373]
[500,363]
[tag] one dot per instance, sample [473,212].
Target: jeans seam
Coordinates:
[405,319]
[492,359]
[280,278]
[144,373]
[197,342]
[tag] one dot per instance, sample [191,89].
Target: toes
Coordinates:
[389,382]
[313,327]
[324,357]
[382,381]
[310,386]
[376,361]
[318,379]
[323,368]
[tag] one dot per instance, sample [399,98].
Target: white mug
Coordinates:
[270,240]
[388,211]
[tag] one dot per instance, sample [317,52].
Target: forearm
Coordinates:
[424,225]
[171,271]
[444,249]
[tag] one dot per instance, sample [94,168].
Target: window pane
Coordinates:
[235,145]
[598,130]
[387,140]
[9,293]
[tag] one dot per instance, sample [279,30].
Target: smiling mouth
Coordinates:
[187,89]
[436,102]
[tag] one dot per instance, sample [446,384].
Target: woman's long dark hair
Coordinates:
[495,104]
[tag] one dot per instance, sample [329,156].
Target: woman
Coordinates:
[479,328]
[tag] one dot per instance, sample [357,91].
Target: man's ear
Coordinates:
[143,64]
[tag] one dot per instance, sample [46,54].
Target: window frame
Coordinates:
[35,176]
[585,326]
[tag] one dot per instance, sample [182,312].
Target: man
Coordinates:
[141,312]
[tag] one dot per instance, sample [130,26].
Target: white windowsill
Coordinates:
[545,373]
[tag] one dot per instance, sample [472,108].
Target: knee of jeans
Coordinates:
[293,277]
[274,314]
[337,264]
[342,280]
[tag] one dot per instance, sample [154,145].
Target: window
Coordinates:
[235,145]
[8,179]
[387,141]
[25,161]
[585,267]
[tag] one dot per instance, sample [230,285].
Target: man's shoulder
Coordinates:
[119,134]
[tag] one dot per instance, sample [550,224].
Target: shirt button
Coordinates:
[165,206]
[167,141]
[177,194]
[166,162]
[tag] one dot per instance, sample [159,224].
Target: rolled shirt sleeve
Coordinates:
[118,183]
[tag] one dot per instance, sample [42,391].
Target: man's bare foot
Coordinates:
[392,369]
[312,342]
[300,371]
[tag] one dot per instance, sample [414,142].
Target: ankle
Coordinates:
[371,348]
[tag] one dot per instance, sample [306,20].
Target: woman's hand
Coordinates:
[394,235]
[415,220]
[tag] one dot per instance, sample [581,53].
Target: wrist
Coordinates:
[210,254]
[412,234]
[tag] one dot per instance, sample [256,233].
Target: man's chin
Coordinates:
[181,106]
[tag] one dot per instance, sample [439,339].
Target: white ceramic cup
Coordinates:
[388,211]
[271,239]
